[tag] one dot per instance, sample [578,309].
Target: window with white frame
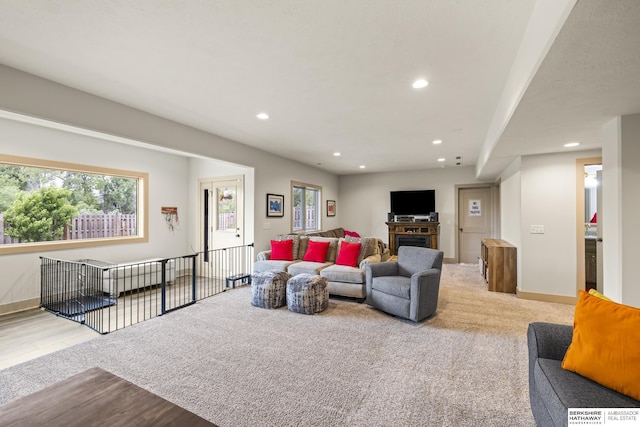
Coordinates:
[46,205]
[305,207]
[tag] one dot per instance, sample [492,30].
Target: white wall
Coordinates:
[274,176]
[621,204]
[630,207]
[510,203]
[364,200]
[548,198]
[202,168]
[26,94]
[20,272]
[611,217]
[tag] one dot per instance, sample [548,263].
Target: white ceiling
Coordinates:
[336,75]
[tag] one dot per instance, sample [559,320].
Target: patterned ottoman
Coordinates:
[269,289]
[307,294]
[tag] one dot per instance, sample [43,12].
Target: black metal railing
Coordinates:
[107,297]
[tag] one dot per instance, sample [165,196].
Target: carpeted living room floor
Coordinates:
[238,365]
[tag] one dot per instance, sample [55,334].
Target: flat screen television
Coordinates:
[418,202]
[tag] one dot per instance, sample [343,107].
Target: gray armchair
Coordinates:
[409,287]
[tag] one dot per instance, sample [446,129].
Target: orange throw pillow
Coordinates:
[316,251]
[604,347]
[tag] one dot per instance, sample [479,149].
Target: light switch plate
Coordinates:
[537,229]
[267,225]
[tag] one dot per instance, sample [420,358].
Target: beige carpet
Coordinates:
[237,365]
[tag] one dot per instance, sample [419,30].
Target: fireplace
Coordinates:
[415,233]
[404,240]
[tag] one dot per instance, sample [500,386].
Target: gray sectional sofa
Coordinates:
[343,280]
[553,390]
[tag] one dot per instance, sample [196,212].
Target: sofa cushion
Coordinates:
[335,233]
[343,273]
[399,286]
[282,250]
[307,267]
[316,251]
[560,389]
[348,253]
[604,347]
[269,265]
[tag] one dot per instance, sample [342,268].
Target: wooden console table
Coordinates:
[499,265]
[424,234]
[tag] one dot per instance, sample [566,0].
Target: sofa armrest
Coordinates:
[426,278]
[382,269]
[369,260]
[377,269]
[548,340]
[264,255]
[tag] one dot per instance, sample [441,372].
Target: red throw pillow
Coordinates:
[316,251]
[282,250]
[349,253]
[351,233]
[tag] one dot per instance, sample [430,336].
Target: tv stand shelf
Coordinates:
[424,234]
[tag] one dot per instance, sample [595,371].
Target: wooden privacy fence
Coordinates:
[92,226]
[5,239]
[310,218]
[88,226]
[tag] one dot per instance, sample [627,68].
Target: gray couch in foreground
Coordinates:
[552,390]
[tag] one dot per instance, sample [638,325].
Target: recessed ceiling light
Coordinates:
[437,141]
[571,144]
[441,159]
[419,84]
[362,166]
[337,154]
[262,116]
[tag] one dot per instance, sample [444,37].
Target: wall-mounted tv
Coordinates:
[418,202]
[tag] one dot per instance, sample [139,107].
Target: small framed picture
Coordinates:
[331,208]
[275,205]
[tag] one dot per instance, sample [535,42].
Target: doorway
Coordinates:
[588,220]
[221,223]
[476,219]
[222,212]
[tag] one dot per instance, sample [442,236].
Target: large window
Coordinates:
[305,207]
[48,205]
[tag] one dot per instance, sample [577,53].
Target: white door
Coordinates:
[221,220]
[475,218]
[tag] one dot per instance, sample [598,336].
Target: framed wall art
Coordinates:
[275,205]
[331,208]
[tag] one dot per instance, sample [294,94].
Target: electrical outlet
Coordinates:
[537,229]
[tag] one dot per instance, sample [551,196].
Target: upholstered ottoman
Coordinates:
[269,289]
[307,294]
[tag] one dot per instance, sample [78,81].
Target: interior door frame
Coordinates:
[580,262]
[495,211]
